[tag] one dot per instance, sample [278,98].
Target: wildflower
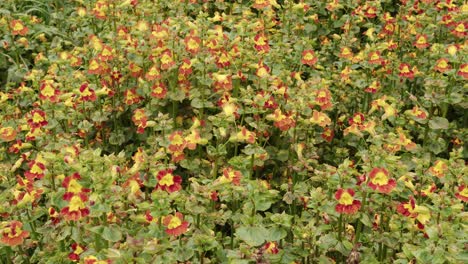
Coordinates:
[131,97]
[107,53]
[135,70]
[262,70]
[328,134]
[282,121]
[421,41]
[346,53]
[223,59]
[140,119]
[12,233]
[271,248]
[245,135]
[159,90]
[73,187]
[230,175]
[54,215]
[36,168]
[261,43]
[18,28]
[175,224]
[87,94]
[168,181]
[460,30]
[462,193]
[414,211]
[167,60]
[308,57]
[7,134]
[222,82]
[346,203]
[153,73]
[373,87]
[185,68]
[48,91]
[406,71]
[192,44]
[94,260]
[37,119]
[463,71]
[375,58]
[320,119]
[76,251]
[96,67]
[379,180]
[323,98]
[442,65]
[439,169]
[76,208]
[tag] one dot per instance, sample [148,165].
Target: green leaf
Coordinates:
[276,234]
[112,234]
[439,123]
[252,235]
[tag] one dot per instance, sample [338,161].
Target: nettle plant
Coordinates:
[256,131]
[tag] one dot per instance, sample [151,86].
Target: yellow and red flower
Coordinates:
[86,93]
[375,58]
[153,73]
[379,180]
[12,233]
[260,4]
[462,193]
[107,53]
[77,249]
[245,135]
[320,118]
[271,248]
[460,29]
[73,187]
[37,119]
[223,59]
[140,119]
[18,28]
[135,70]
[230,176]
[131,96]
[192,44]
[261,43]
[328,134]
[439,169]
[48,91]
[167,60]
[168,181]
[177,142]
[7,134]
[222,82]
[175,224]
[159,90]
[282,121]
[308,57]
[36,168]
[442,65]
[420,213]
[405,71]
[373,87]
[421,41]
[323,98]
[346,53]
[346,203]
[185,68]
[76,208]
[94,260]
[463,71]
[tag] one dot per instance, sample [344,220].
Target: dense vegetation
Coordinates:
[262,131]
